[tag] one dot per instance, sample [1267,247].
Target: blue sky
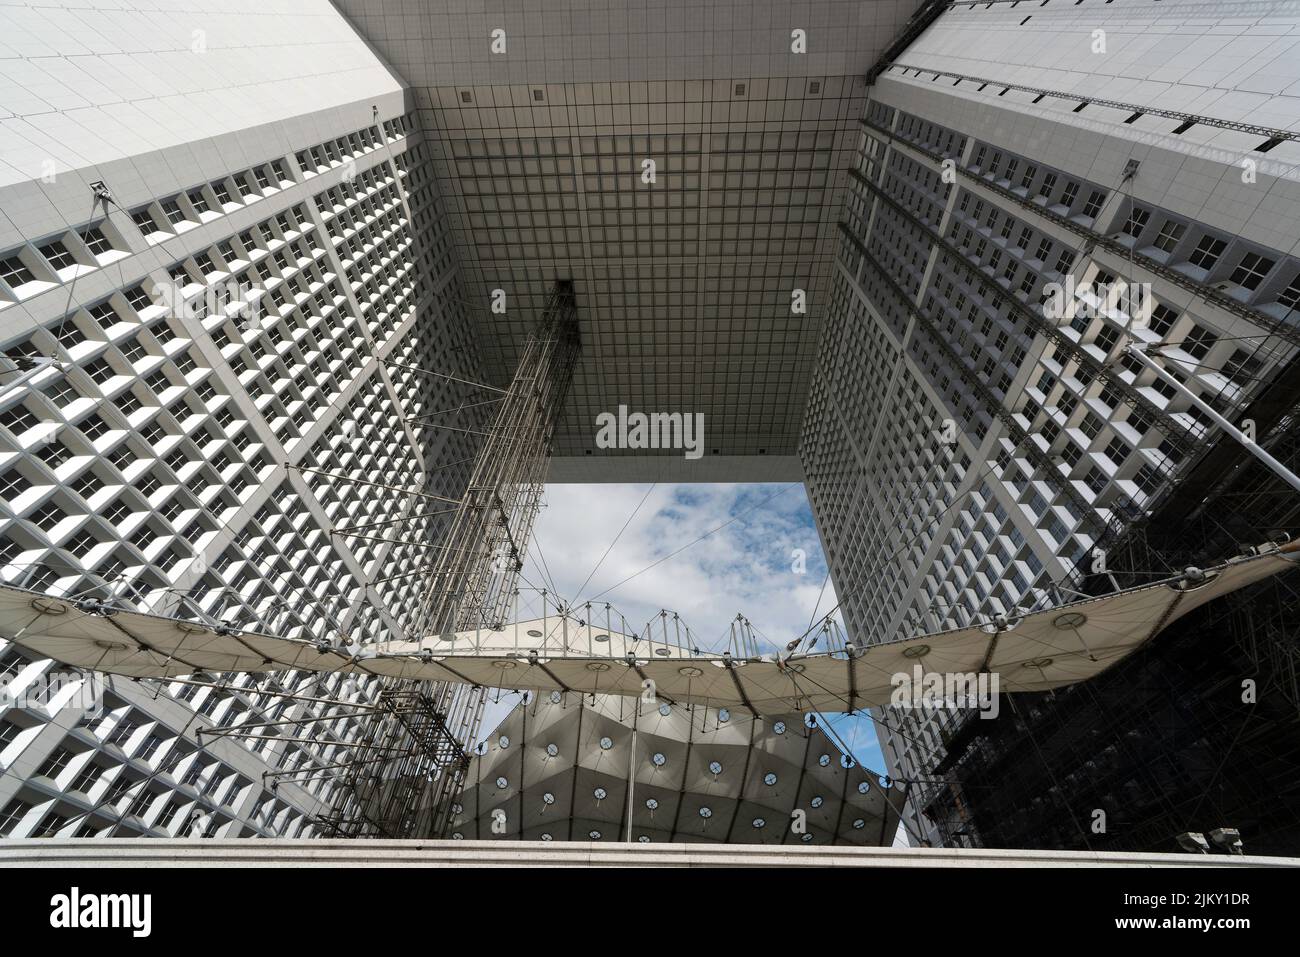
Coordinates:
[748,566]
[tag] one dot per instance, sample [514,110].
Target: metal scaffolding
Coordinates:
[1200,730]
[410,761]
[474,577]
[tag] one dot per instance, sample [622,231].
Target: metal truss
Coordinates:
[409,763]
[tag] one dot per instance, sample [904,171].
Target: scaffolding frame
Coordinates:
[427,726]
[1164,741]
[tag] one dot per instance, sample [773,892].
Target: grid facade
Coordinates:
[683,285]
[210,345]
[1008,444]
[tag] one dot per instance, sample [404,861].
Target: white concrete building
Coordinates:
[172,356]
[993,162]
[342,184]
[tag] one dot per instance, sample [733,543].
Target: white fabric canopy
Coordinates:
[1041,651]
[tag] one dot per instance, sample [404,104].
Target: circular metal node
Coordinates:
[916,651]
[1071,619]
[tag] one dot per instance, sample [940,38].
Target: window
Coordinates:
[87,485]
[86,778]
[17,419]
[1094,204]
[1199,342]
[96,241]
[168,815]
[140,805]
[117,513]
[119,789]
[99,370]
[151,746]
[172,210]
[1207,252]
[198,201]
[58,255]
[12,484]
[1162,319]
[104,314]
[1117,450]
[138,298]
[1147,479]
[143,218]
[55,763]
[10,665]
[1137,221]
[13,272]
[1291,294]
[51,825]
[1107,338]
[194,773]
[1095,480]
[122,733]
[1251,271]
[1069,194]
[1171,233]
[1242,368]
[14,812]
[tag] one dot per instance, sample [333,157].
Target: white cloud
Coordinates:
[746,566]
